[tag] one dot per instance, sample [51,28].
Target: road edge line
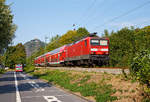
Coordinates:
[18,98]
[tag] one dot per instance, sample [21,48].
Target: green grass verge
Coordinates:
[101,92]
[29,69]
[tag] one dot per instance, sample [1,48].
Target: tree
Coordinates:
[122,47]
[140,67]
[15,55]
[106,33]
[82,32]
[7,28]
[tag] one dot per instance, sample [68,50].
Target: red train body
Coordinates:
[88,51]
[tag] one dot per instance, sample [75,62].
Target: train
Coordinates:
[90,51]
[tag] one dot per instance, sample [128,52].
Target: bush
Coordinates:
[140,67]
[2,71]
[29,68]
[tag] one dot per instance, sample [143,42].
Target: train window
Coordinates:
[94,42]
[103,42]
[85,42]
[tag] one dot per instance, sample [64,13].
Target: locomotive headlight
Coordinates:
[94,49]
[104,49]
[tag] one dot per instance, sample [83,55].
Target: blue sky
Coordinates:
[40,18]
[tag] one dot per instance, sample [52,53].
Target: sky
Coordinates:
[37,19]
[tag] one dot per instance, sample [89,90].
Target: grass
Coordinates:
[29,69]
[2,71]
[76,83]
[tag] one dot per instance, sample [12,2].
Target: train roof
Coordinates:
[60,49]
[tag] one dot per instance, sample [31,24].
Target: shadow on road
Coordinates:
[7,83]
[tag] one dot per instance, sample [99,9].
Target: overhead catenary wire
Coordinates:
[135,25]
[146,21]
[85,14]
[102,3]
[122,15]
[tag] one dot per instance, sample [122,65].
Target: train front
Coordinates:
[99,50]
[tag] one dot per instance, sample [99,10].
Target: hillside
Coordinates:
[33,46]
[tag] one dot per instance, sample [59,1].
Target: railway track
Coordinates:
[103,70]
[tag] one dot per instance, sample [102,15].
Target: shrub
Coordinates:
[140,67]
[2,71]
[29,68]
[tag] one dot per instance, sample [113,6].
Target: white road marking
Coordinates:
[51,99]
[18,98]
[43,96]
[33,84]
[31,96]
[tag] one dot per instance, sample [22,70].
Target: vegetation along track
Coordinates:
[104,70]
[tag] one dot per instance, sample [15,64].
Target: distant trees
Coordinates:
[15,55]
[7,28]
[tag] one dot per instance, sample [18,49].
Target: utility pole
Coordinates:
[36,45]
[74,27]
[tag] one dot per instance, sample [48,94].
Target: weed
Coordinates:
[85,79]
[133,80]
[132,91]
[78,83]
[125,90]
[146,100]
[121,91]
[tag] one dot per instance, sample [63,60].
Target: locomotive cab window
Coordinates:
[95,42]
[103,42]
[85,42]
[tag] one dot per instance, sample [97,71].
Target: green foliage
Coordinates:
[146,100]
[68,38]
[101,91]
[125,43]
[143,38]
[85,79]
[2,71]
[29,69]
[141,67]
[106,33]
[1,59]
[122,47]
[15,55]
[7,28]
[81,32]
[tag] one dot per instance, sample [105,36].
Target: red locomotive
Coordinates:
[88,51]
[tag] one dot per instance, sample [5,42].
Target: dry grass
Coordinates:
[126,91]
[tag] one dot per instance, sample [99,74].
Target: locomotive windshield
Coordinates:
[94,42]
[103,42]
[99,42]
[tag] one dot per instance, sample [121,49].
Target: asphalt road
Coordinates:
[19,87]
